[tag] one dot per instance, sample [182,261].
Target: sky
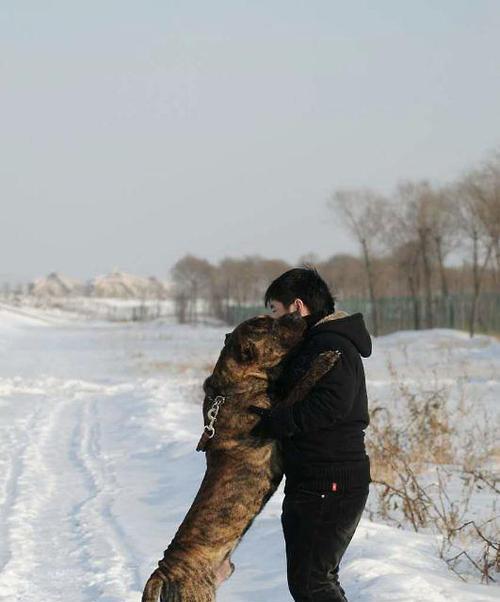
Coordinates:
[133,133]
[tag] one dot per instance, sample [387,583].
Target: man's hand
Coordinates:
[274,424]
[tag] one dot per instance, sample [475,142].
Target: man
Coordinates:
[326,467]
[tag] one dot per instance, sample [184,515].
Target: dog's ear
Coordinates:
[207,384]
[290,320]
[288,328]
[245,351]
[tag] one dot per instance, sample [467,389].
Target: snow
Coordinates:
[98,427]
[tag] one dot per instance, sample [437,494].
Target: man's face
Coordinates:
[278,309]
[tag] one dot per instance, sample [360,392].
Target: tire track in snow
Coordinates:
[12,467]
[106,551]
[28,489]
[59,535]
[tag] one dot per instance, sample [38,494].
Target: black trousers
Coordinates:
[318,527]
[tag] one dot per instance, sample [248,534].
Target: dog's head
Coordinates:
[264,340]
[256,346]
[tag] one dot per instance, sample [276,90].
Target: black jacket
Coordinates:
[324,433]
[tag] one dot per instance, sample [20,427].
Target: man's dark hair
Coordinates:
[302,283]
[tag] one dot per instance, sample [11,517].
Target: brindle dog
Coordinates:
[243,471]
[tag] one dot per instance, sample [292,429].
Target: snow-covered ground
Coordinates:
[98,427]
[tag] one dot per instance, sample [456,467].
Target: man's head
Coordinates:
[301,290]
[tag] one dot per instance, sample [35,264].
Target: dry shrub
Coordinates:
[429,458]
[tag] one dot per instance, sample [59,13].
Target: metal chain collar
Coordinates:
[212,414]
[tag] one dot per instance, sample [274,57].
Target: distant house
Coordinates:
[127,286]
[55,285]
[158,289]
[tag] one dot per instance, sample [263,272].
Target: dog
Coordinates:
[243,471]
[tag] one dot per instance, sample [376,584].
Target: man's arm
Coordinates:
[328,402]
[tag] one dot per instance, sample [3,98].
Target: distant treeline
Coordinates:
[401,278]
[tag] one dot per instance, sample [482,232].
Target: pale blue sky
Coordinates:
[135,132]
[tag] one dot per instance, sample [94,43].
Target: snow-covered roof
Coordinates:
[121,284]
[55,285]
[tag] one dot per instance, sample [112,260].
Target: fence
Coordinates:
[408,313]
[394,313]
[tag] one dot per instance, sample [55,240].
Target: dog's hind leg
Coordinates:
[159,588]
[180,583]
[154,588]
[188,591]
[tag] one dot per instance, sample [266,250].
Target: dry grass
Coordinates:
[429,459]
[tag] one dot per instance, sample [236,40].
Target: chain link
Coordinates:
[212,415]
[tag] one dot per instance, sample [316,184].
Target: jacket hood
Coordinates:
[350,326]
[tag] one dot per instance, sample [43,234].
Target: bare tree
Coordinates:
[268,270]
[417,205]
[420,236]
[244,281]
[237,279]
[484,185]
[364,212]
[408,260]
[344,274]
[192,277]
[473,216]
[443,222]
